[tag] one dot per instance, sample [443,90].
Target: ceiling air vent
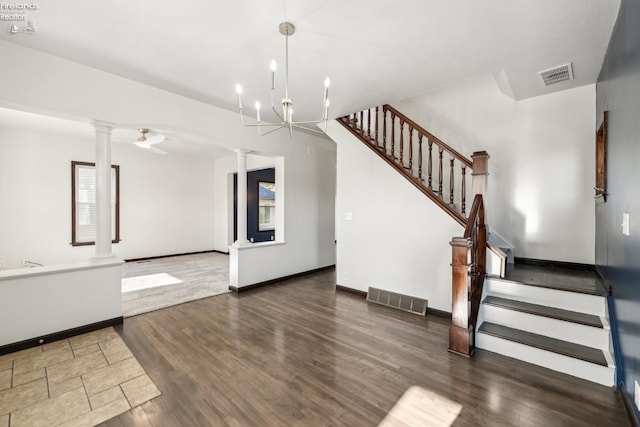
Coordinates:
[557,74]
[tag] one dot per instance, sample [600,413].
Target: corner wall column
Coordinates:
[242,197]
[103,189]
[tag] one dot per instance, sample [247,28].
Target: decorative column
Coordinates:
[242,197]
[103,189]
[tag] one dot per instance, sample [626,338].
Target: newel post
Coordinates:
[480,174]
[460,337]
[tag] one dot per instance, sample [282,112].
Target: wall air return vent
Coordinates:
[557,74]
[399,301]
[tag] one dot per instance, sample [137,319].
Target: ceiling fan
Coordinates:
[148,142]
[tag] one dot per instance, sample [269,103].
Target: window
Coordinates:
[266,206]
[83,203]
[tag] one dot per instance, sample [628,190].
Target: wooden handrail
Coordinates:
[430,136]
[468,263]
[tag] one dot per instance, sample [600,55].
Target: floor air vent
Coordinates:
[557,74]
[401,302]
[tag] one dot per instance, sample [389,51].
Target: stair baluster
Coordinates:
[440,151]
[451,180]
[361,127]
[401,157]
[420,158]
[430,165]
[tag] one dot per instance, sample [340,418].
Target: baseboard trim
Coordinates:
[603,281]
[240,289]
[169,256]
[56,336]
[439,313]
[549,263]
[347,289]
[632,413]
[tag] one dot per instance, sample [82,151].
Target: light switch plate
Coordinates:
[625,224]
[348,216]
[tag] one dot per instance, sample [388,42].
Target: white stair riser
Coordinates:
[583,303]
[578,368]
[554,328]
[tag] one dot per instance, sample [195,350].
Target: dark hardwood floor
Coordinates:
[300,353]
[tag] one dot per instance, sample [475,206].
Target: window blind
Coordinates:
[85,206]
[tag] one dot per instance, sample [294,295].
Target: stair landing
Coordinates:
[552,276]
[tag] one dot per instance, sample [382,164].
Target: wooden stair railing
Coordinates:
[436,169]
[468,264]
[411,150]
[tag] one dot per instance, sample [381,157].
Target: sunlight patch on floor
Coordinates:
[137,283]
[422,407]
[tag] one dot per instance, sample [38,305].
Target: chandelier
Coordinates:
[286,115]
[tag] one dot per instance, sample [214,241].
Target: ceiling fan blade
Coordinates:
[155,150]
[155,139]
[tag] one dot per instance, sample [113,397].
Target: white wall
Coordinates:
[398,239]
[166,202]
[542,166]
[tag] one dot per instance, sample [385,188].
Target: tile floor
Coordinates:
[82,381]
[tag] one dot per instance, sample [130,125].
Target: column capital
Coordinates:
[242,151]
[102,126]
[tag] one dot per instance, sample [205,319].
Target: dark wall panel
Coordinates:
[618,256]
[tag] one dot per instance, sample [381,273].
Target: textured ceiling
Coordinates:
[374,51]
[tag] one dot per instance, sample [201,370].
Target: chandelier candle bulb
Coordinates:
[327,83]
[257,111]
[273,74]
[239,92]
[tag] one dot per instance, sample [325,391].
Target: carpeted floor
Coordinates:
[195,277]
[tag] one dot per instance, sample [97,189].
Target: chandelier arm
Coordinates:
[261,123]
[273,107]
[266,124]
[273,130]
[308,129]
[310,122]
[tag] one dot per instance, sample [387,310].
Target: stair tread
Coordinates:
[542,310]
[577,351]
[554,277]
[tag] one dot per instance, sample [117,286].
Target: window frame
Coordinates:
[273,220]
[74,218]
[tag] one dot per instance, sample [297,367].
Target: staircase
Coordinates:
[553,316]
[550,316]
